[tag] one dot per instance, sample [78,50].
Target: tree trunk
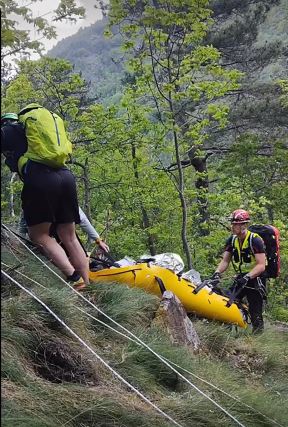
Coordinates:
[85,179]
[180,189]
[145,217]
[87,198]
[202,185]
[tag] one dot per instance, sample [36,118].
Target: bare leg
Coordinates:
[77,256]
[39,234]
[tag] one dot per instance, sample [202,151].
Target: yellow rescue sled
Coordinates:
[156,280]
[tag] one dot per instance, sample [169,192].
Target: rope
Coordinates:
[180,367]
[172,363]
[24,275]
[91,350]
[138,342]
[135,337]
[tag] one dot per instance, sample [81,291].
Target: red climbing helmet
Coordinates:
[239,217]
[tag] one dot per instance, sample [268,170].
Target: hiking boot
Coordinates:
[74,277]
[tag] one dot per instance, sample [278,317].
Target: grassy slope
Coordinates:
[49,379]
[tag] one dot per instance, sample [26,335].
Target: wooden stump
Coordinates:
[172,316]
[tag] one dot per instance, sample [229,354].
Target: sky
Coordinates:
[63,29]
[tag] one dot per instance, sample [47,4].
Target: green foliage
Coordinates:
[50,82]
[278,298]
[15,39]
[284,86]
[176,74]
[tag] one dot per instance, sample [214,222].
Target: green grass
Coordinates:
[49,379]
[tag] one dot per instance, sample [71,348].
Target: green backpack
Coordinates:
[46,136]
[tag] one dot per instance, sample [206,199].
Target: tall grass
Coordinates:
[49,379]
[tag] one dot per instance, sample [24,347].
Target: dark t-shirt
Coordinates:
[13,144]
[257,245]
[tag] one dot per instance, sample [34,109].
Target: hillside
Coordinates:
[97,57]
[158,170]
[49,378]
[100,61]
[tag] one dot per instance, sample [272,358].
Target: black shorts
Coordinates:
[49,195]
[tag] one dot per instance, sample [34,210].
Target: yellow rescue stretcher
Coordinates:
[155,279]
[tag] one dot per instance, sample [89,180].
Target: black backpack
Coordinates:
[270,236]
[13,144]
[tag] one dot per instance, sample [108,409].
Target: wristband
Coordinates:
[98,240]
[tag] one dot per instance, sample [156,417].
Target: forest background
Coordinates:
[178,116]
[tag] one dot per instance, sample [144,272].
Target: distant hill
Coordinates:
[97,57]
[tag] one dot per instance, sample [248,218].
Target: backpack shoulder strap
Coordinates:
[251,237]
[250,241]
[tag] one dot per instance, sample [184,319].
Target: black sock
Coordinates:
[74,277]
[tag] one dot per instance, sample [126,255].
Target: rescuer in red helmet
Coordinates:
[246,251]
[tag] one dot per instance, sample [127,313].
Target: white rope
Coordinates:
[180,367]
[24,275]
[138,342]
[91,350]
[169,361]
[135,337]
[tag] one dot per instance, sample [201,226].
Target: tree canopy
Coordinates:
[161,169]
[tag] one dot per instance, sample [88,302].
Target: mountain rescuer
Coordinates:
[49,192]
[246,251]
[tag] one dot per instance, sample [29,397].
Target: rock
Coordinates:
[172,316]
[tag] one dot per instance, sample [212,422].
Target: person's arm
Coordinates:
[103,245]
[92,234]
[260,266]
[87,227]
[260,257]
[224,264]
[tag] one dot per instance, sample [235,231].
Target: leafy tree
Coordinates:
[15,39]
[181,77]
[238,34]
[284,97]
[51,82]
[124,184]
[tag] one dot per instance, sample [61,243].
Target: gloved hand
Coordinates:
[242,280]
